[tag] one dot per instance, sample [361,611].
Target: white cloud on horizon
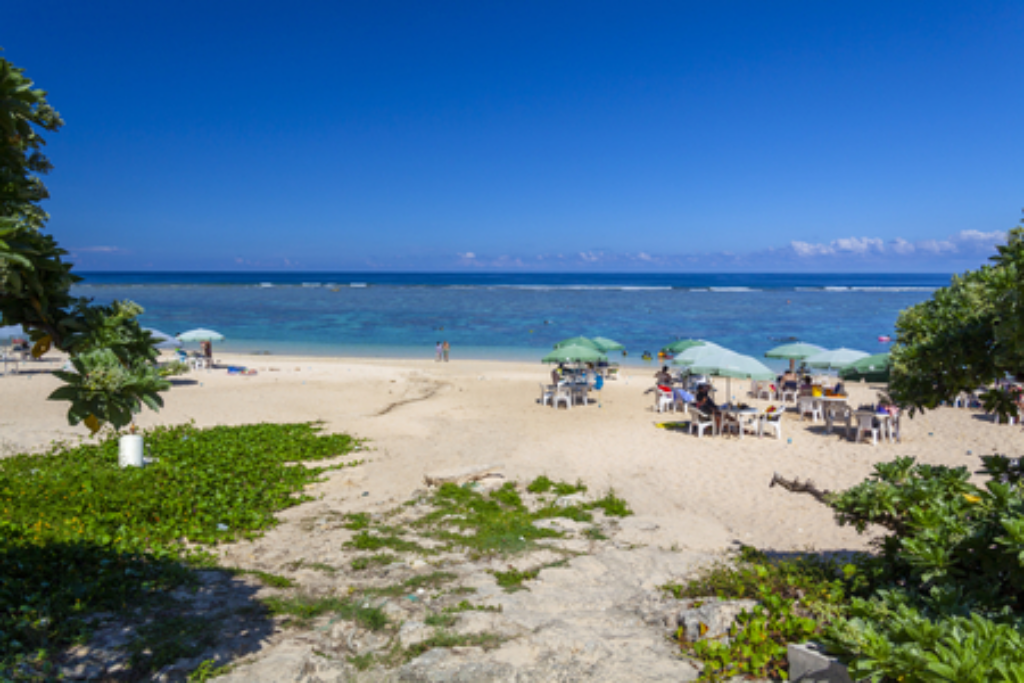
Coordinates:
[965,243]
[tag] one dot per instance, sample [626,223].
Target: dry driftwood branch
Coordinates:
[797,486]
[462,475]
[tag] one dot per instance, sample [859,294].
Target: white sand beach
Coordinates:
[420,416]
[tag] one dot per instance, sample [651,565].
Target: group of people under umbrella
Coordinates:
[702,357]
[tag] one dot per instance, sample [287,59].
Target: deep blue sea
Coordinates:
[515,316]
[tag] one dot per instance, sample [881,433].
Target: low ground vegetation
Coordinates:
[82,536]
[941,600]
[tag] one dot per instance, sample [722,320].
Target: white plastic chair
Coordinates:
[547,395]
[834,414]
[701,423]
[765,391]
[563,394]
[770,421]
[581,393]
[809,405]
[664,399]
[865,425]
[755,388]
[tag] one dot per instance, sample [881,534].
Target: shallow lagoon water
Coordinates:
[509,318]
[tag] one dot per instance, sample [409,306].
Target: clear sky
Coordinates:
[552,136]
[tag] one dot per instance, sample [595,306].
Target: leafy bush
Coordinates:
[889,638]
[967,335]
[79,534]
[792,595]
[944,600]
[953,547]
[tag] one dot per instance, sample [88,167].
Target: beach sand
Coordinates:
[420,416]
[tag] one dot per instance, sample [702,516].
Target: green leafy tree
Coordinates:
[966,336]
[113,357]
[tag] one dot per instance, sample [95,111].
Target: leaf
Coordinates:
[41,346]
[92,423]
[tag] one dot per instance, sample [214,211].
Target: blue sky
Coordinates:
[676,136]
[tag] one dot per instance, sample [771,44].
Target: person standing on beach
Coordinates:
[445,348]
[437,352]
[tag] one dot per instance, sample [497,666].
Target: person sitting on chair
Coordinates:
[788,380]
[556,375]
[706,405]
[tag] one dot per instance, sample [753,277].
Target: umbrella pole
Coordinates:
[792,364]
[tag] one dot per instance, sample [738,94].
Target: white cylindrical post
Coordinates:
[130,451]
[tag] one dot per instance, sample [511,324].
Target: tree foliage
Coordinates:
[966,336]
[944,599]
[113,358]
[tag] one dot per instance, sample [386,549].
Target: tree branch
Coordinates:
[796,486]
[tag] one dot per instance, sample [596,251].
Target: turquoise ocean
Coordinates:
[515,317]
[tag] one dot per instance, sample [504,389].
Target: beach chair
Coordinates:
[866,424]
[808,405]
[771,422]
[836,412]
[755,388]
[547,395]
[663,400]
[563,394]
[701,423]
[766,390]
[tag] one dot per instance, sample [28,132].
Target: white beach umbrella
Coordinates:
[201,334]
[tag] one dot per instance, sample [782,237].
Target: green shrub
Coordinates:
[891,639]
[791,593]
[944,599]
[953,546]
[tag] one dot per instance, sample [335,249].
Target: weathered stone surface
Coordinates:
[808,663]
[414,633]
[712,618]
[570,500]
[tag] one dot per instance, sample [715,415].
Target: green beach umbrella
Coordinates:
[201,335]
[699,352]
[871,369]
[578,341]
[606,344]
[725,363]
[681,345]
[574,353]
[794,352]
[731,364]
[836,358]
